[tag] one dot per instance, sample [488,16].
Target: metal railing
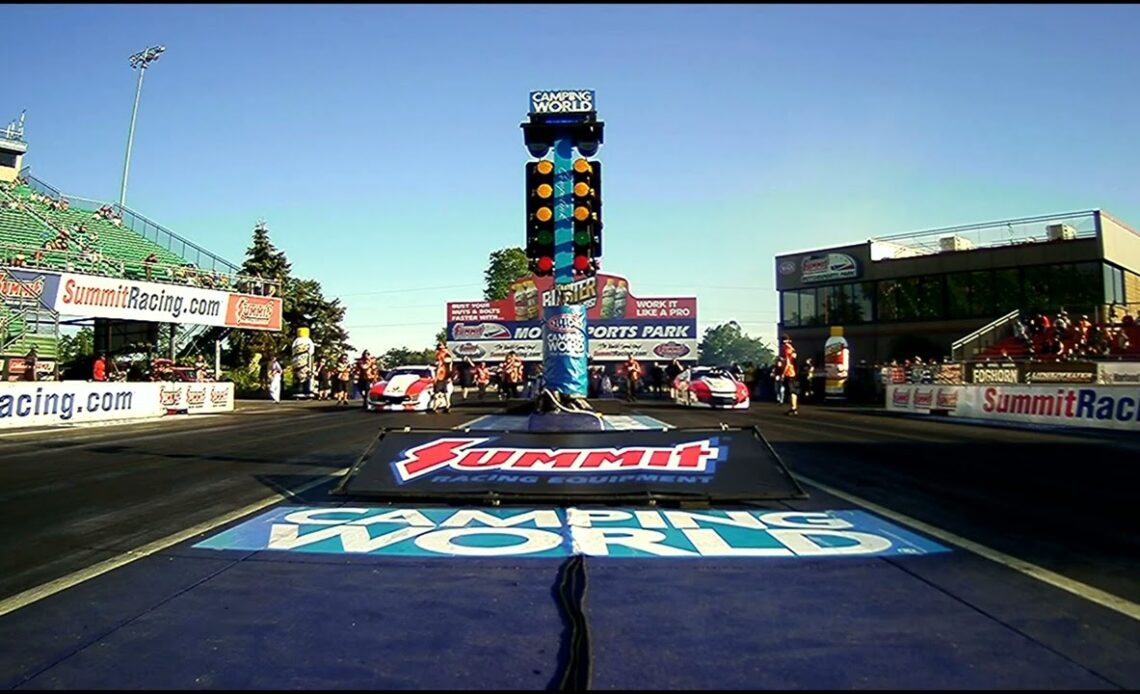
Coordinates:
[141,225]
[219,274]
[26,309]
[989,334]
[1043,229]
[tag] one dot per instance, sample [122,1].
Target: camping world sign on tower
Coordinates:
[564,101]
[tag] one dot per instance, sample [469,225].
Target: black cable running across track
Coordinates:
[574,654]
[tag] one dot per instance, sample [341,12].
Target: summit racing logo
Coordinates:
[480,331]
[12,288]
[462,454]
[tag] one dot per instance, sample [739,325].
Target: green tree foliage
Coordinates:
[441,336]
[402,356]
[506,265]
[76,347]
[727,344]
[304,305]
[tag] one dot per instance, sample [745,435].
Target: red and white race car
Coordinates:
[710,386]
[403,389]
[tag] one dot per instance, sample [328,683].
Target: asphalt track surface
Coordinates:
[188,618]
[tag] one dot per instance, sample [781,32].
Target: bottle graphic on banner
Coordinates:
[520,301]
[301,358]
[836,360]
[621,293]
[531,291]
[608,293]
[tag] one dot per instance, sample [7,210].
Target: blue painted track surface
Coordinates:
[233,619]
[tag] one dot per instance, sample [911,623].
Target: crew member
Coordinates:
[788,357]
[632,377]
[441,387]
[482,376]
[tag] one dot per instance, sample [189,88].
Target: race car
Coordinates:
[403,389]
[710,386]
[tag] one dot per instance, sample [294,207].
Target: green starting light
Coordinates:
[545,237]
[582,238]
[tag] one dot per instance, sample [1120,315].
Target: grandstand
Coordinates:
[43,229]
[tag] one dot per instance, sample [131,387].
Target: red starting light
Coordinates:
[546,264]
[581,263]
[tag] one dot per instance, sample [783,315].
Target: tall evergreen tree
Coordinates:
[303,305]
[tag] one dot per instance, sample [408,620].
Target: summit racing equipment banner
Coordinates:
[619,324]
[110,297]
[609,532]
[680,463]
[1096,407]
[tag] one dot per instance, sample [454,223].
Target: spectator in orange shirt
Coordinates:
[99,368]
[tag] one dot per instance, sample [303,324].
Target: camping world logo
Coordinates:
[467,454]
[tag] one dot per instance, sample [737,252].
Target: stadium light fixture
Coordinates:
[140,61]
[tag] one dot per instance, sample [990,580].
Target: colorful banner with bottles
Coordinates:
[619,323]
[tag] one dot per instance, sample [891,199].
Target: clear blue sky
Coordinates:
[381,143]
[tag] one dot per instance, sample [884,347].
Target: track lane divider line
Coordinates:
[46,590]
[1103,598]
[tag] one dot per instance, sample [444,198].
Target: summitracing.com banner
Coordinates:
[109,297]
[55,403]
[1094,406]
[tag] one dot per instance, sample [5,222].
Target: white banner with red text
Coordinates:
[108,297]
[1091,406]
[55,403]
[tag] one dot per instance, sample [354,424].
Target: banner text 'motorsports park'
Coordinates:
[619,324]
[108,297]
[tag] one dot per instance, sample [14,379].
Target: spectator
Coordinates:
[31,363]
[99,368]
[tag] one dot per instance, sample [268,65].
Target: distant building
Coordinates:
[916,294]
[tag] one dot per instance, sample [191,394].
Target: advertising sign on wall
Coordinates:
[1096,407]
[618,323]
[20,286]
[110,297]
[1118,373]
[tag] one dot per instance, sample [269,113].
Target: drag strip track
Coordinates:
[189,617]
[72,500]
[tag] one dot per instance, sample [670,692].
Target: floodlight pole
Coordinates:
[141,61]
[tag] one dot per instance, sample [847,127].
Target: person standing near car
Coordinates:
[788,373]
[442,386]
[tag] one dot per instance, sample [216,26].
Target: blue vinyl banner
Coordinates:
[565,353]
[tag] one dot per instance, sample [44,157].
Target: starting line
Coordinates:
[611,422]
